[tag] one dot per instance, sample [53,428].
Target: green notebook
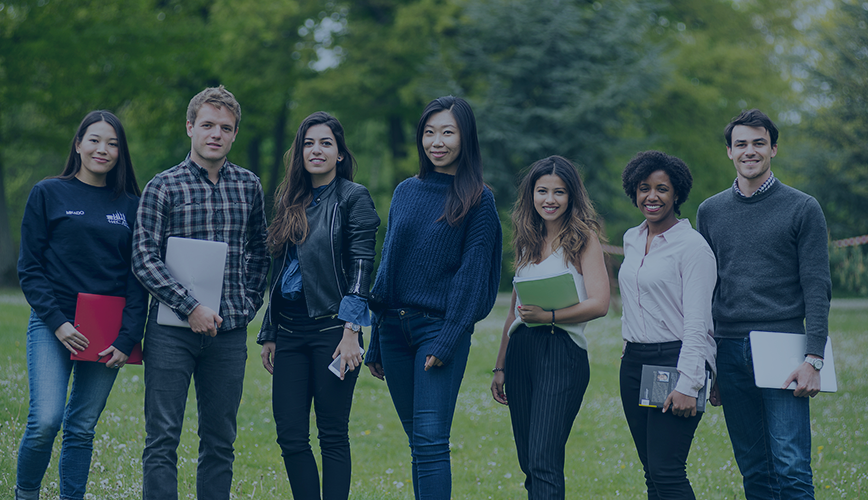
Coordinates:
[551,292]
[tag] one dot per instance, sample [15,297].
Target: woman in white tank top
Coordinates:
[544,369]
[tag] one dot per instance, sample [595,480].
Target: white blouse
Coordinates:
[666,296]
[554,264]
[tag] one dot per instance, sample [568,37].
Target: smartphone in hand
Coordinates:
[335,365]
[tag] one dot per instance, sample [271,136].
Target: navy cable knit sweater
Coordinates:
[428,264]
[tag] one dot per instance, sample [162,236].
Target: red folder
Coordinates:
[99,318]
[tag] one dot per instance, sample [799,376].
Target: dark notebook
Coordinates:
[658,381]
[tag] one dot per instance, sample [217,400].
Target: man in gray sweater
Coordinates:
[772,255]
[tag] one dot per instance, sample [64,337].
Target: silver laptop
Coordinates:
[198,266]
[776,355]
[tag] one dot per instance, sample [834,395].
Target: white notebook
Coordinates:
[198,266]
[776,355]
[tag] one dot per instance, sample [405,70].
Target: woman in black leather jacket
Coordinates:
[322,238]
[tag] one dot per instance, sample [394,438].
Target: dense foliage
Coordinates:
[593,81]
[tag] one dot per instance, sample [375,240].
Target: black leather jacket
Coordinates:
[337,257]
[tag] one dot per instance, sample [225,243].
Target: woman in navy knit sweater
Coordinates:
[76,237]
[438,276]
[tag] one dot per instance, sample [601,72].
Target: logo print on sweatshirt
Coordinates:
[75,212]
[117,218]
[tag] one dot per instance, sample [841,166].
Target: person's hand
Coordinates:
[682,404]
[116,359]
[497,388]
[377,370]
[349,351]
[714,395]
[807,380]
[204,320]
[534,314]
[432,361]
[267,356]
[71,338]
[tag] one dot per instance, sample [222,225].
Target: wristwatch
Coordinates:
[356,328]
[817,363]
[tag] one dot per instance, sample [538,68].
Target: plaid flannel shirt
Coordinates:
[182,202]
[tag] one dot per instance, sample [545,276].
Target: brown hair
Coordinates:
[579,223]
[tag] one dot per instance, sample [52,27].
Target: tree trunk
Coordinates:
[277,167]
[396,137]
[8,271]
[253,156]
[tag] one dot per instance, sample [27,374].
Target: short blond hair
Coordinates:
[217,97]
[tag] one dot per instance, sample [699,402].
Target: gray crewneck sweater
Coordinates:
[772,263]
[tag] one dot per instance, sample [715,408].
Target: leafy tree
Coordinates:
[261,60]
[721,58]
[381,83]
[61,59]
[556,77]
[833,161]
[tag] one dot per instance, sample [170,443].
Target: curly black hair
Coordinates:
[646,163]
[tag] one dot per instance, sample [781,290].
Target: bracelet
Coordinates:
[553,316]
[498,370]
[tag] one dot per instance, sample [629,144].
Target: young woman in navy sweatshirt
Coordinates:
[438,276]
[76,236]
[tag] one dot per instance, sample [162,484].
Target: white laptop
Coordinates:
[776,355]
[198,266]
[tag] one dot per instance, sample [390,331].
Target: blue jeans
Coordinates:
[171,356]
[770,429]
[425,400]
[48,369]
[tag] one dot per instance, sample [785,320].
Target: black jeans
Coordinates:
[662,439]
[546,375]
[301,375]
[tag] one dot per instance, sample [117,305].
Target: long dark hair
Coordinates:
[296,191]
[578,224]
[468,184]
[122,178]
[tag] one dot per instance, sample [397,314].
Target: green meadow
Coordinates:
[601,460]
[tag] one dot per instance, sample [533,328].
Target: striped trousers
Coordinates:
[546,375]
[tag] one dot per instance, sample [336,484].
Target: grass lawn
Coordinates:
[601,460]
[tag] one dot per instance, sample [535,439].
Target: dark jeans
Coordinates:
[425,400]
[770,429]
[546,375]
[662,439]
[301,375]
[173,355]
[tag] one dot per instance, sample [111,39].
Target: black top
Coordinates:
[78,238]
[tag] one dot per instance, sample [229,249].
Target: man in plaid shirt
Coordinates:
[208,198]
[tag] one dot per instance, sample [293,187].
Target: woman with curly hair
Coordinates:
[544,369]
[666,282]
